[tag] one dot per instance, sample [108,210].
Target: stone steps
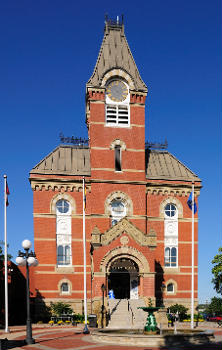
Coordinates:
[124,314]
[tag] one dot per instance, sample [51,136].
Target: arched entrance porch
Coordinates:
[123,278]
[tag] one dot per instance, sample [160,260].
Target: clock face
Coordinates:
[117,91]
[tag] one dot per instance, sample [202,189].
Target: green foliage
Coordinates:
[217,272]
[78,318]
[2,256]
[215,307]
[60,308]
[180,310]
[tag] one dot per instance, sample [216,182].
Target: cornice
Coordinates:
[59,186]
[172,189]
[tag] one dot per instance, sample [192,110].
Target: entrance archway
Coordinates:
[123,278]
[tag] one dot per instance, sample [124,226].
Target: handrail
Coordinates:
[130,309]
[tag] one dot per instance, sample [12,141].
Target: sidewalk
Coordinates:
[70,338]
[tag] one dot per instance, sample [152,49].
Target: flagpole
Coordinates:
[85,330]
[6,255]
[192,263]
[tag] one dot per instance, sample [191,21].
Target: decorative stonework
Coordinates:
[65,196]
[124,240]
[118,195]
[56,186]
[172,191]
[118,142]
[96,237]
[125,226]
[128,253]
[120,74]
[172,200]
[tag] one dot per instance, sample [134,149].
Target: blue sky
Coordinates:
[48,52]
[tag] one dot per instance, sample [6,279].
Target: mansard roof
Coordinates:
[162,165]
[65,160]
[115,54]
[75,161]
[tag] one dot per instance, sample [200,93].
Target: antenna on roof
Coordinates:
[156,145]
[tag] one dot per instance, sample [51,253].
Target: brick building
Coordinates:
[138,224]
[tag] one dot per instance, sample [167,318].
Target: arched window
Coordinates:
[65,288]
[170,235]
[170,256]
[170,288]
[118,211]
[63,232]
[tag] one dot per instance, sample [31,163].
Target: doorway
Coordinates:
[123,279]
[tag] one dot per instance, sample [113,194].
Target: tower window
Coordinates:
[118,158]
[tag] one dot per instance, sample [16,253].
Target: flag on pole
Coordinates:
[189,203]
[84,196]
[7,193]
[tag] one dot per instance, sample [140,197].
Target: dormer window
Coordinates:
[117,104]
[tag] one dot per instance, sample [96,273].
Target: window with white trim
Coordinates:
[65,288]
[170,235]
[63,233]
[170,256]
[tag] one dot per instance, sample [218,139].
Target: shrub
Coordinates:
[60,308]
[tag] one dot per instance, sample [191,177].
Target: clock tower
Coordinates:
[115,96]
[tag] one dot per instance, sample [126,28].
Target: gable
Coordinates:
[124,226]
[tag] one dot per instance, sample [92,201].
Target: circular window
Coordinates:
[62,206]
[170,210]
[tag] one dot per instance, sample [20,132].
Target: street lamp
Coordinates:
[103,288]
[27,259]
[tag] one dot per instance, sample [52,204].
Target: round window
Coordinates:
[62,206]
[170,210]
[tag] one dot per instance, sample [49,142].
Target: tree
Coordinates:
[60,308]
[217,272]
[215,307]
[180,310]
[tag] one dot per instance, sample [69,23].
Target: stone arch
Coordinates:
[120,73]
[121,196]
[65,196]
[172,200]
[125,252]
[118,142]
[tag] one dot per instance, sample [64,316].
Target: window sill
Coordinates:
[65,269]
[171,269]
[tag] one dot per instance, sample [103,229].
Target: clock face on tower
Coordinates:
[117,91]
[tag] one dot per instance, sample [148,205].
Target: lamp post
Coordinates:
[27,259]
[103,288]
